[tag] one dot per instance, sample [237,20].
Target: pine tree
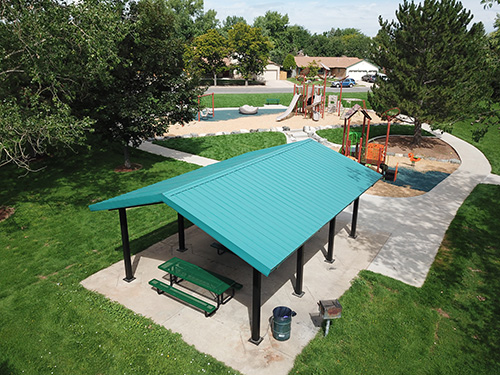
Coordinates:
[434,62]
[289,62]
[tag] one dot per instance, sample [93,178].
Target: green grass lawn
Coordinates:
[335,135]
[259,100]
[48,322]
[222,147]
[489,144]
[449,326]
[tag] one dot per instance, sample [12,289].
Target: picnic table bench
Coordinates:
[180,270]
[272,101]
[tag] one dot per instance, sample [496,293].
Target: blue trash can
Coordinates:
[282,322]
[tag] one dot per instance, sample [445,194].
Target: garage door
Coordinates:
[271,75]
[357,74]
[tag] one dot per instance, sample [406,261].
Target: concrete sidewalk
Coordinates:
[174,154]
[418,224]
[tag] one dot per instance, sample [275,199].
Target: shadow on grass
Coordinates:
[5,368]
[84,178]
[224,147]
[465,277]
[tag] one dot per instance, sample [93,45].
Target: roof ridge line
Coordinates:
[239,167]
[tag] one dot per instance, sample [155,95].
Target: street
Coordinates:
[279,87]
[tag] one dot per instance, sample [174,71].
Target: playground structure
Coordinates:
[367,153]
[206,112]
[307,99]
[339,104]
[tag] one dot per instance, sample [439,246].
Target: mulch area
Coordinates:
[430,147]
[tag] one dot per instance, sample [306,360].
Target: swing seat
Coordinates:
[390,174]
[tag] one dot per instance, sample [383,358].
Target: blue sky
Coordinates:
[319,16]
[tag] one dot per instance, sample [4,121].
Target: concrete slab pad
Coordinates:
[225,335]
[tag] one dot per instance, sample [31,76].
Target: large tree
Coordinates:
[274,26]
[434,60]
[49,52]
[207,54]
[250,49]
[149,89]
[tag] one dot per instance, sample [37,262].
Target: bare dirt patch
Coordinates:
[133,167]
[6,212]
[430,147]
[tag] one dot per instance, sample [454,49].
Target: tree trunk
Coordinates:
[215,79]
[126,155]
[246,81]
[417,133]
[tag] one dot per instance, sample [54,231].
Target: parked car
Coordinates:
[348,82]
[367,78]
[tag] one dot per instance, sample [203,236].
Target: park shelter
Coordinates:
[262,205]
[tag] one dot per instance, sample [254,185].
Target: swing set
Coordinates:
[367,153]
[207,111]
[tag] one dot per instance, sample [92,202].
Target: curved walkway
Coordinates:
[416,224]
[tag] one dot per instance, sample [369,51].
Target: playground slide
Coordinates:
[290,108]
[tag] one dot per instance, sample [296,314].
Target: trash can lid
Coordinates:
[283,312]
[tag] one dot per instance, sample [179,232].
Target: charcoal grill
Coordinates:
[329,309]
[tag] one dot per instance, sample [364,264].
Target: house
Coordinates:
[271,72]
[339,66]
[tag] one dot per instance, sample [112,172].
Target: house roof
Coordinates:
[331,62]
[262,205]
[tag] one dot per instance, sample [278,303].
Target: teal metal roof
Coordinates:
[262,205]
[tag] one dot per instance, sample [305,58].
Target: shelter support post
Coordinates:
[354,218]
[331,237]
[180,229]
[300,273]
[129,275]
[256,302]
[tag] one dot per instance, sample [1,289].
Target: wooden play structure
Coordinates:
[364,152]
[309,100]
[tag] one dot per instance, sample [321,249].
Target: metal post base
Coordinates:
[256,342]
[129,280]
[182,250]
[327,328]
[329,261]
[299,294]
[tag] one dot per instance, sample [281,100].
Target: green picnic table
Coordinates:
[179,270]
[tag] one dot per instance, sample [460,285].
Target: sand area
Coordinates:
[263,122]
